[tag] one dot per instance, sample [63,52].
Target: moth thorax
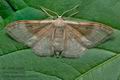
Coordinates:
[59,22]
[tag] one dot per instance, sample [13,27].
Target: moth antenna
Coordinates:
[45,10]
[73,14]
[70,10]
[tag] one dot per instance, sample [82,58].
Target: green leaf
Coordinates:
[5,9]
[17,4]
[1,23]
[100,63]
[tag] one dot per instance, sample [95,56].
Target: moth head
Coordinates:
[59,16]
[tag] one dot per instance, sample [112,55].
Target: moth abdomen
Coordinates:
[58,39]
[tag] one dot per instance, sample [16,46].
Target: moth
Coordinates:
[59,37]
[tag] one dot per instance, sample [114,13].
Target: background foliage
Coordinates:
[100,63]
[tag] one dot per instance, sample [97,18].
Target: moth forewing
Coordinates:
[92,31]
[24,30]
[99,34]
[18,32]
